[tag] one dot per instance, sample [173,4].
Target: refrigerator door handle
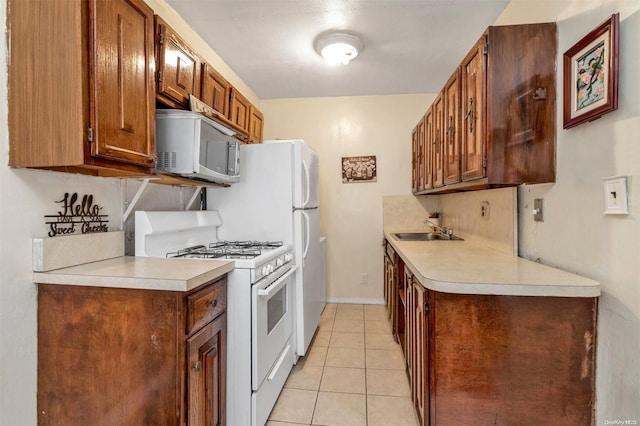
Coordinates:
[307,236]
[305,167]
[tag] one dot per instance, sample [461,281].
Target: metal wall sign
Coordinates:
[77,214]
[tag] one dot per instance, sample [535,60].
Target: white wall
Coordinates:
[575,235]
[351,214]
[25,197]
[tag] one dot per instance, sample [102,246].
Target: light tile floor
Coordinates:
[353,374]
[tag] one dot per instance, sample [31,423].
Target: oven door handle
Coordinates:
[276,285]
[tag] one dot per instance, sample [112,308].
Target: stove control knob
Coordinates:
[288,257]
[265,270]
[279,262]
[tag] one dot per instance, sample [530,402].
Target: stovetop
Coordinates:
[227,250]
[193,234]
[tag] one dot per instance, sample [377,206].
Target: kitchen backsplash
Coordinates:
[498,229]
[461,212]
[406,212]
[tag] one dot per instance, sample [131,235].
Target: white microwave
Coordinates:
[190,145]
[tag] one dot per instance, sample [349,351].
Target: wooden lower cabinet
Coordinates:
[501,360]
[394,283]
[410,324]
[110,356]
[420,348]
[206,358]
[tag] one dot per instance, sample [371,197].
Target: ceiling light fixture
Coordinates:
[339,48]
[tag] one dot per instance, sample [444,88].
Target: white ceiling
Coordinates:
[411,46]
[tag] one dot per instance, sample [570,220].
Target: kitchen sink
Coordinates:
[424,236]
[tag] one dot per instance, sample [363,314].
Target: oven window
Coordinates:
[276,308]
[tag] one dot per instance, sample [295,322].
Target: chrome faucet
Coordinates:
[448,232]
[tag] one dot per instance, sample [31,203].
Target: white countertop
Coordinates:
[148,273]
[464,268]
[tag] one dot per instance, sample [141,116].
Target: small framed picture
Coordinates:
[359,169]
[590,74]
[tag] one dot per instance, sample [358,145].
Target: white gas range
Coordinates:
[260,311]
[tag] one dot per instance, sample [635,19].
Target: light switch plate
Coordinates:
[615,195]
[537,208]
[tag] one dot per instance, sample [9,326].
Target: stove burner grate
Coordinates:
[226,250]
[246,244]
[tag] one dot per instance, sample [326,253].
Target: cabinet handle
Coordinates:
[214,303]
[469,115]
[198,366]
[450,130]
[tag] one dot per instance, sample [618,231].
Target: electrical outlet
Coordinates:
[364,278]
[615,195]
[484,209]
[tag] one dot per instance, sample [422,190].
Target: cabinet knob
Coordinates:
[214,303]
[198,366]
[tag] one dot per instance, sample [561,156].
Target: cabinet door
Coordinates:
[415,160]
[388,283]
[418,156]
[420,358]
[206,376]
[409,353]
[473,83]
[122,95]
[256,123]
[239,110]
[398,302]
[452,132]
[428,150]
[437,151]
[215,90]
[178,68]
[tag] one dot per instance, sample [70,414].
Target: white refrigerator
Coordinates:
[276,199]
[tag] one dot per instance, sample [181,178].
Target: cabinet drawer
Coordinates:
[206,304]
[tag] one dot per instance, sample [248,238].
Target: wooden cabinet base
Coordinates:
[506,360]
[109,356]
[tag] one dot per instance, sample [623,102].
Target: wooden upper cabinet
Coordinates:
[506,125]
[415,159]
[437,147]
[427,162]
[418,156]
[239,109]
[473,97]
[521,114]
[122,91]
[88,104]
[215,90]
[178,67]
[452,130]
[256,124]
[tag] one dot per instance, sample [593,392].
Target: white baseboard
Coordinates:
[355,300]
